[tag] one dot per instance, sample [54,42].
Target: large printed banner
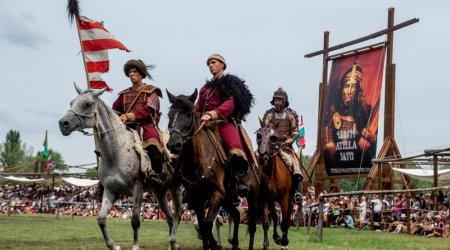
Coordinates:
[350,120]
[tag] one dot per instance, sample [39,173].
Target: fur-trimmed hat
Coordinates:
[218,58]
[136,64]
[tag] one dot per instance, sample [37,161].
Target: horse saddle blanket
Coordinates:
[146,165]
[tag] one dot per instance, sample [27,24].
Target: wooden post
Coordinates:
[320,166]
[389,108]
[408,214]
[435,171]
[323,86]
[372,213]
[320,220]
[309,220]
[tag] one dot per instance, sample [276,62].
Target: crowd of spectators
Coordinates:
[68,200]
[429,213]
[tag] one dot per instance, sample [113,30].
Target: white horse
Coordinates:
[119,164]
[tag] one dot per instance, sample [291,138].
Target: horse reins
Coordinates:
[92,115]
[185,136]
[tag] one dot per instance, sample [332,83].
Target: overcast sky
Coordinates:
[263,42]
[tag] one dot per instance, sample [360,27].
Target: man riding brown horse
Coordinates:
[226,99]
[287,130]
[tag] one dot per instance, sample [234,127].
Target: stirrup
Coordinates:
[298,198]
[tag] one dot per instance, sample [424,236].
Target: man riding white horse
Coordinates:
[138,106]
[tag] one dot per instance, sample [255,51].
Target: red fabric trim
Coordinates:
[99,85]
[85,25]
[97,66]
[102,44]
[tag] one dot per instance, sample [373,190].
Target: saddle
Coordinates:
[212,129]
[146,165]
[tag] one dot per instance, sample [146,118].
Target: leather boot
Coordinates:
[298,198]
[239,168]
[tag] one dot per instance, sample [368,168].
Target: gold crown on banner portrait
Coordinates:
[355,75]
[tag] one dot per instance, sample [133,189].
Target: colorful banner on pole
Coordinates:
[96,40]
[300,141]
[350,120]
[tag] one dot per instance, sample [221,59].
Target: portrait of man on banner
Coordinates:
[350,120]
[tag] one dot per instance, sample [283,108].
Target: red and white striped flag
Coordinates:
[47,164]
[96,41]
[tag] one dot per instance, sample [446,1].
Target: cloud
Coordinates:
[20,29]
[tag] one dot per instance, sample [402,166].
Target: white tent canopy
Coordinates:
[80,182]
[427,174]
[22,179]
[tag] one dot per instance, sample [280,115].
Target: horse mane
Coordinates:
[183,103]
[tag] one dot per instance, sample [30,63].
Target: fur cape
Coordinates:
[231,85]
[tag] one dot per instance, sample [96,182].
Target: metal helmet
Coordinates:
[280,93]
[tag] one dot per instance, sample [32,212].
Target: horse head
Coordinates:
[267,140]
[181,120]
[82,111]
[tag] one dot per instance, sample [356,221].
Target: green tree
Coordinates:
[93,171]
[57,160]
[13,149]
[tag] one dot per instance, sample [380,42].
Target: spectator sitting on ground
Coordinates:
[439,230]
[348,222]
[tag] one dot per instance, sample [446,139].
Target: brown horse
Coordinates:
[276,183]
[201,170]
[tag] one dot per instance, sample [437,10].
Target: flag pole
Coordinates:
[73,12]
[82,51]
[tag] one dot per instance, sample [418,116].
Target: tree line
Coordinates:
[17,157]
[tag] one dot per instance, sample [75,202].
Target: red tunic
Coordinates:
[219,109]
[145,111]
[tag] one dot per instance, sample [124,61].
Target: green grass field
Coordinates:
[47,232]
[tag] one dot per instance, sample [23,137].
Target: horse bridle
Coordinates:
[91,115]
[187,135]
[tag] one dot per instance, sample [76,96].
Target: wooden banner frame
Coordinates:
[380,175]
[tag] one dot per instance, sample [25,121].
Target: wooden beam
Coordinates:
[357,51]
[365,38]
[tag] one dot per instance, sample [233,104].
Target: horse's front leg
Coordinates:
[251,219]
[286,211]
[214,207]
[162,202]
[176,203]
[274,216]
[236,216]
[265,225]
[200,218]
[135,222]
[108,200]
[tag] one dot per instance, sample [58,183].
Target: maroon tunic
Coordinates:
[211,103]
[145,111]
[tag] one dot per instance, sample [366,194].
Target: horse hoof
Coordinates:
[174,247]
[277,241]
[135,247]
[284,241]
[117,248]
[284,248]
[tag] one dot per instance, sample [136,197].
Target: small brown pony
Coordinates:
[276,183]
[201,170]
